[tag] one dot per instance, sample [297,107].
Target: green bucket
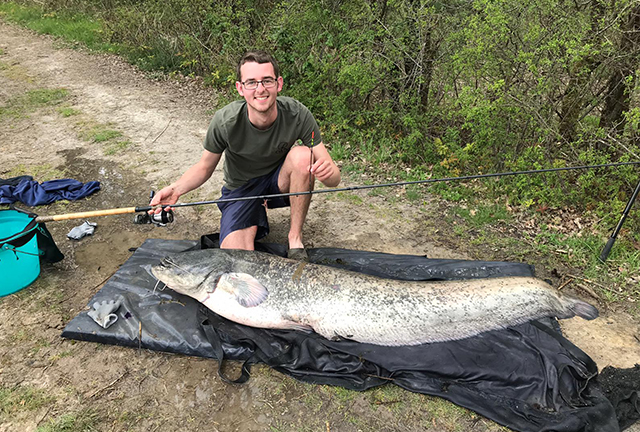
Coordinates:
[19,254]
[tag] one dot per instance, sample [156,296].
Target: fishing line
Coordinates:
[156,286]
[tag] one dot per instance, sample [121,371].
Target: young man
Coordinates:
[259,135]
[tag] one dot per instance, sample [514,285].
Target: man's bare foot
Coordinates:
[299,254]
[295,242]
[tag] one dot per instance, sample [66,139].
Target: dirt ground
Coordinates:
[46,380]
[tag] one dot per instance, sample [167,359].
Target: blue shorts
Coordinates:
[237,215]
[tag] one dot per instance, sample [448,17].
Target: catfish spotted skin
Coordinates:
[263,290]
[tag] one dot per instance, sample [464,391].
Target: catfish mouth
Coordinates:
[179,277]
[159,271]
[174,275]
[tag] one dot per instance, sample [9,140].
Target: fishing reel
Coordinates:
[160,219]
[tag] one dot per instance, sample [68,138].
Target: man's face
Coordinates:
[262,98]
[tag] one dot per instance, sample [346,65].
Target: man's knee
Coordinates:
[240,239]
[299,158]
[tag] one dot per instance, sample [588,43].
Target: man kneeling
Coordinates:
[259,136]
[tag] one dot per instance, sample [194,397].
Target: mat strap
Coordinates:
[216,345]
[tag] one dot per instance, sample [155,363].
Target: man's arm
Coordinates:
[324,169]
[193,178]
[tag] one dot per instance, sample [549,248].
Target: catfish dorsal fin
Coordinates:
[248,290]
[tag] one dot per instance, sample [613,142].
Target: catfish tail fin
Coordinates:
[574,306]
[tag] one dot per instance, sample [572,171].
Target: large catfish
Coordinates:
[263,290]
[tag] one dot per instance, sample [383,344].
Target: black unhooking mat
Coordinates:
[527,377]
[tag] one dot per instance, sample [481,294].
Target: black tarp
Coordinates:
[528,377]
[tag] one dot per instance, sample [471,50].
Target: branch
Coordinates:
[111,384]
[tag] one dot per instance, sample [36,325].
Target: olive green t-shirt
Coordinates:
[251,152]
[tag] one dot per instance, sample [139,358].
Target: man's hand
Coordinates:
[323,169]
[165,196]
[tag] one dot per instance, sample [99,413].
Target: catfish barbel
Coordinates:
[263,290]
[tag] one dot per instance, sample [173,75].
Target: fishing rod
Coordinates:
[126,210]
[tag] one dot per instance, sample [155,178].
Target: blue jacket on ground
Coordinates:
[32,193]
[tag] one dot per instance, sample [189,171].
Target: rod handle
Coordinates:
[89,214]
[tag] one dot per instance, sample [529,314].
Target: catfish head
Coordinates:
[188,272]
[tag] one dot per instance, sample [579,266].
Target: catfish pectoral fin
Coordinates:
[248,290]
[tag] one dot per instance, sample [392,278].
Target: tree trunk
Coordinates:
[574,99]
[428,60]
[622,79]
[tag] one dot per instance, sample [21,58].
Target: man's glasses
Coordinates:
[253,84]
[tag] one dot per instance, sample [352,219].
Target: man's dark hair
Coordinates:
[257,57]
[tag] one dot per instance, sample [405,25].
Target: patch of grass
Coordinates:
[452,192]
[157,75]
[481,238]
[414,193]
[314,400]
[83,421]
[615,281]
[67,26]
[377,192]
[15,72]
[117,147]
[84,29]
[278,427]
[39,344]
[40,97]
[622,268]
[552,247]
[10,112]
[351,168]
[447,414]
[68,111]
[97,132]
[339,151]
[160,184]
[20,336]
[392,397]
[459,230]
[16,399]
[342,396]
[31,101]
[63,354]
[483,215]
[105,135]
[60,207]
[349,197]
[40,173]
